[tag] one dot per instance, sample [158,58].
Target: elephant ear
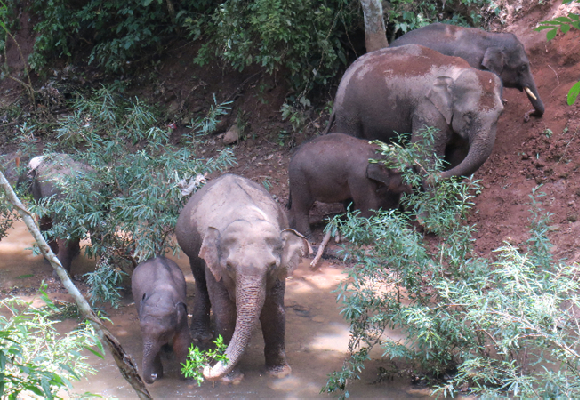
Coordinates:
[181,309]
[210,252]
[441,96]
[493,60]
[295,246]
[378,172]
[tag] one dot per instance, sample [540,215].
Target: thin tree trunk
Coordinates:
[124,361]
[375,33]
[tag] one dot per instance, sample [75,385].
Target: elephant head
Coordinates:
[249,257]
[391,179]
[471,103]
[509,61]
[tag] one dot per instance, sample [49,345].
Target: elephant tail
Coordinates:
[330,123]
[289,204]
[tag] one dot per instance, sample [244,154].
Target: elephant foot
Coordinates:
[279,371]
[233,378]
[154,376]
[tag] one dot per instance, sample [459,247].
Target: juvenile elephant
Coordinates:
[500,53]
[45,178]
[407,88]
[159,293]
[334,168]
[240,252]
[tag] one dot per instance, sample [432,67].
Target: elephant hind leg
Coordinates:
[67,250]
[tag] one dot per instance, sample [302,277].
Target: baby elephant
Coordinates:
[159,292]
[335,168]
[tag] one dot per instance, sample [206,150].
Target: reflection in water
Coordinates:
[316,337]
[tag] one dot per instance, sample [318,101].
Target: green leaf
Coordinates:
[573,93]
[542,27]
[96,353]
[565,28]
[551,34]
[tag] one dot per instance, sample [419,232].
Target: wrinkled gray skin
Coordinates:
[159,292]
[240,252]
[405,89]
[335,168]
[43,179]
[500,53]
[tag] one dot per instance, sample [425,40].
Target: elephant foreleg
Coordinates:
[200,330]
[224,309]
[273,321]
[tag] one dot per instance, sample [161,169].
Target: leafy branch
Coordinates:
[197,360]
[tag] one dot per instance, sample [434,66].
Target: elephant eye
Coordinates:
[523,68]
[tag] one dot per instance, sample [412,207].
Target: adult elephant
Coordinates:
[240,252]
[501,53]
[405,89]
[47,176]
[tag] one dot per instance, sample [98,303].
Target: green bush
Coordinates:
[129,202]
[116,32]
[35,360]
[505,326]
[403,16]
[307,42]
[303,38]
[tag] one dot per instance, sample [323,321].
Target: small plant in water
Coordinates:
[198,359]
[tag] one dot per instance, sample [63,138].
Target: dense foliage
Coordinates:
[35,360]
[506,326]
[128,201]
[306,42]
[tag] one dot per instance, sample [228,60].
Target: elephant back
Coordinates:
[158,276]
[49,173]
[229,198]
[381,89]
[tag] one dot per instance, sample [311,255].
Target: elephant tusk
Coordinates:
[530,93]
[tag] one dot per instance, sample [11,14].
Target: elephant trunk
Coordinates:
[250,297]
[534,96]
[151,370]
[479,150]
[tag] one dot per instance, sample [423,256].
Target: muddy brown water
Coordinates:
[316,336]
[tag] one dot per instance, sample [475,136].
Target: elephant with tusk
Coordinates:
[411,87]
[240,252]
[501,53]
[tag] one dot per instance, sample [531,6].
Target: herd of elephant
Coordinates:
[240,243]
